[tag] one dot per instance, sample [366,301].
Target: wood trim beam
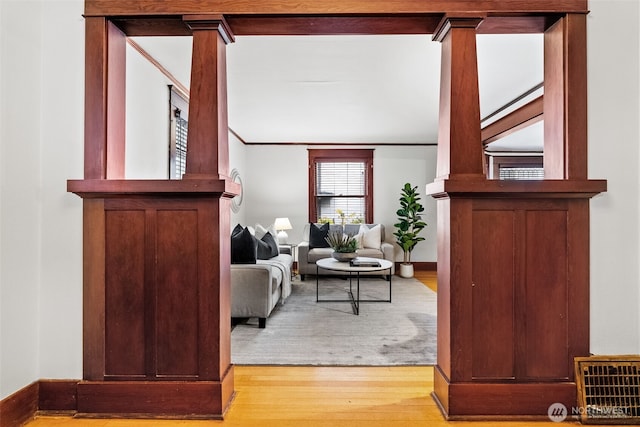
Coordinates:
[516,24]
[524,116]
[287,25]
[116,8]
[492,188]
[247,25]
[100,188]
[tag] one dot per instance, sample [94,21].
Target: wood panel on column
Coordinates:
[156,252]
[513,259]
[156,297]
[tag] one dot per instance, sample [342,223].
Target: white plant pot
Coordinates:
[406,270]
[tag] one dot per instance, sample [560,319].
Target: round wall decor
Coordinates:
[236,201]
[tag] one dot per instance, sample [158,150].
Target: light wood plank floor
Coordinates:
[316,397]
[319,396]
[428,277]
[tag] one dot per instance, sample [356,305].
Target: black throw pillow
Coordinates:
[237,229]
[317,235]
[271,242]
[243,248]
[263,250]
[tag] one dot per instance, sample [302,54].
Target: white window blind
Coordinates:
[179,121]
[521,173]
[181,146]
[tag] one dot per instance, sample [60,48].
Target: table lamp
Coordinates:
[280,225]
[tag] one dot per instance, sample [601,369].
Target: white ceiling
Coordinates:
[354,89]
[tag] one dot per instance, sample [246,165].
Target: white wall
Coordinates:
[62,148]
[41,116]
[147,126]
[41,128]
[393,167]
[614,112]
[237,161]
[20,210]
[277,186]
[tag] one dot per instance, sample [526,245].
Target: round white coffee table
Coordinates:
[367,265]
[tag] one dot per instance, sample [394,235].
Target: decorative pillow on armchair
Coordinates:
[317,235]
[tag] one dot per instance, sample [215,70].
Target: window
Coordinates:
[341,186]
[512,167]
[179,121]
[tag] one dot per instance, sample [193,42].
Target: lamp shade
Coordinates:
[282,224]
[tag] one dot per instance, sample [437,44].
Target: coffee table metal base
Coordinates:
[354,300]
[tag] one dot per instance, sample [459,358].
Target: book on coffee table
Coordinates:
[364,263]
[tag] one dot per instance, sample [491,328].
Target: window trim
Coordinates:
[341,155]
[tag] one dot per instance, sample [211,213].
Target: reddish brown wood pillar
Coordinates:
[565,99]
[208,147]
[156,252]
[459,124]
[513,256]
[105,76]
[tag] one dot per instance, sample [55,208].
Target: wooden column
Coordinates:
[513,257]
[565,99]
[105,76]
[459,137]
[156,303]
[208,147]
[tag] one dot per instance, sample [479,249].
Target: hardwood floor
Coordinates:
[317,396]
[286,396]
[428,277]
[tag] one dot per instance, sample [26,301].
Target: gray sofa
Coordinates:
[257,288]
[307,255]
[258,285]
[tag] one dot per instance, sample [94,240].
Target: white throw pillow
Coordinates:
[371,236]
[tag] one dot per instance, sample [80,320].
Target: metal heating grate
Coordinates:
[608,389]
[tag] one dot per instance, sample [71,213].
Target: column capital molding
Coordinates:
[455,21]
[210,22]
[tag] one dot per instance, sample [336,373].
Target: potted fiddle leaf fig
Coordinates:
[409,225]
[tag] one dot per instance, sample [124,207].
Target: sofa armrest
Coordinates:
[251,286]
[388,254]
[303,252]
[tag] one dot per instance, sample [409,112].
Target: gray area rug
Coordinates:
[304,332]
